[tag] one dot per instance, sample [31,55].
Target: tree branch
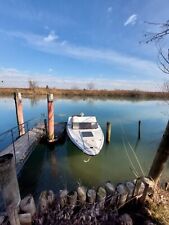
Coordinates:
[156,37]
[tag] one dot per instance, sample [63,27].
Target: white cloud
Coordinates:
[135,65]
[109,9]
[131,20]
[51,37]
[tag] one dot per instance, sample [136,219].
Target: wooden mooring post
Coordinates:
[161,157]
[51,137]
[139,133]
[9,187]
[108,132]
[19,113]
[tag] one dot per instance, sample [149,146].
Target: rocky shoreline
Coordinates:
[124,204]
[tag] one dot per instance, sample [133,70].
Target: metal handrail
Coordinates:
[12,131]
[17,127]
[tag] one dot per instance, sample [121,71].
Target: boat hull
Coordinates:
[90,141]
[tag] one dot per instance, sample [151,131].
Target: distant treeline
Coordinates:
[85,93]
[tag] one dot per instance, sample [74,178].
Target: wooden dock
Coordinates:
[24,145]
[59,129]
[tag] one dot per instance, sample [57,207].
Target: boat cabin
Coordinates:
[84,123]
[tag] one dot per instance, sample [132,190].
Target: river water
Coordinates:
[65,165]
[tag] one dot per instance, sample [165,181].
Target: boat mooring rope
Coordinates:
[133,169]
[137,160]
[139,164]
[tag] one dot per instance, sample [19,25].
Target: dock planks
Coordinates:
[24,146]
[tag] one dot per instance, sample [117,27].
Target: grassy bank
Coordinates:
[85,93]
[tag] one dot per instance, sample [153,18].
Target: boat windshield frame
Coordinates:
[84,125]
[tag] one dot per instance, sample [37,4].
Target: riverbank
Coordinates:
[124,204]
[86,93]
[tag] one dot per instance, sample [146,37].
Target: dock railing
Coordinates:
[10,136]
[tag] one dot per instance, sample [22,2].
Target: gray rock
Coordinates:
[25,219]
[72,198]
[139,187]
[110,189]
[101,194]
[27,205]
[150,183]
[81,191]
[130,188]
[63,197]
[43,203]
[91,196]
[114,199]
[122,194]
[50,197]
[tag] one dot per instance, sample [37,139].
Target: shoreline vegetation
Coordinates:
[129,203]
[40,91]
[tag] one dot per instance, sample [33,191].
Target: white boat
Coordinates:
[85,133]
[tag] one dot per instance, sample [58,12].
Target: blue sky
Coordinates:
[71,43]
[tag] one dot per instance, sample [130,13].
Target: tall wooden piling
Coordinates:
[108,132]
[9,187]
[139,133]
[161,157]
[50,118]
[19,113]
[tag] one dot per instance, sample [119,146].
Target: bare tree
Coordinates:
[157,37]
[90,85]
[32,84]
[163,55]
[166,85]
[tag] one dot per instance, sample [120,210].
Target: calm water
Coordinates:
[65,165]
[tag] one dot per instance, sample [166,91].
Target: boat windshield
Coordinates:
[82,125]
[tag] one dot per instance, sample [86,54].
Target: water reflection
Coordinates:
[88,173]
[31,174]
[34,101]
[65,165]
[53,163]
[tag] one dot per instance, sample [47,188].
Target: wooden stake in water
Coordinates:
[108,132]
[50,118]
[19,113]
[139,123]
